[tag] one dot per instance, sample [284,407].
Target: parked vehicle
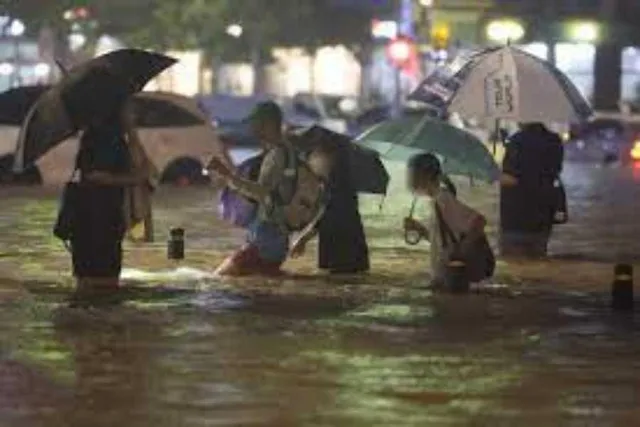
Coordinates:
[329,111]
[605,139]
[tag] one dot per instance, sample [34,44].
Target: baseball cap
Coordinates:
[265,111]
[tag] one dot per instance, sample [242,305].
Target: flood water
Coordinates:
[186,349]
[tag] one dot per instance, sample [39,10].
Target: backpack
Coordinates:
[300,197]
[480,262]
[233,206]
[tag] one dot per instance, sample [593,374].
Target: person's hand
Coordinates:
[217,167]
[507,180]
[99,177]
[411,224]
[298,249]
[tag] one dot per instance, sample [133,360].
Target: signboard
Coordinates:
[499,94]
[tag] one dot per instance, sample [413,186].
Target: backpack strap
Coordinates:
[446,234]
[286,188]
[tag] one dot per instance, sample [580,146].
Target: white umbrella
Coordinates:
[504,83]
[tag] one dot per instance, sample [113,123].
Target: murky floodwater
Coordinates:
[187,350]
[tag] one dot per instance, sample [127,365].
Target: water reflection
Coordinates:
[113,368]
[186,350]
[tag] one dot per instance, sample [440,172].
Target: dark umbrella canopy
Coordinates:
[95,89]
[152,109]
[16,103]
[155,110]
[368,173]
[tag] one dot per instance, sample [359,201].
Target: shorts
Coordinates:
[247,262]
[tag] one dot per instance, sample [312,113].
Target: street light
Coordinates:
[399,51]
[583,31]
[6,69]
[16,28]
[505,31]
[235,30]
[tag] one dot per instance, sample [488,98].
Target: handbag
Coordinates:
[67,211]
[479,260]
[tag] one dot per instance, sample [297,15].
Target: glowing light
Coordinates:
[6,69]
[17,28]
[77,41]
[384,29]
[235,30]
[42,70]
[584,31]
[504,31]
[635,151]
[399,51]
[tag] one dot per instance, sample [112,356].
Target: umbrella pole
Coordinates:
[496,137]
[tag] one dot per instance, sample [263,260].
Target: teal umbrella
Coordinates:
[460,152]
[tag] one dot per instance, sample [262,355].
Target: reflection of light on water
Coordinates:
[452,386]
[218,301]
[179,274]
[395,312]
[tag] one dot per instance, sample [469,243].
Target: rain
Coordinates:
[450,237]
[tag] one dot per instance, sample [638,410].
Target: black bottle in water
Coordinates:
[622,288]
[456,278]
[175,246]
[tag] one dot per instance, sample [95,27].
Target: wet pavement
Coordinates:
[539,346]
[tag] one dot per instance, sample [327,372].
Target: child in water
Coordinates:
[425,178]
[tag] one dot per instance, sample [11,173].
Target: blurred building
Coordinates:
[20,63]
[593,41]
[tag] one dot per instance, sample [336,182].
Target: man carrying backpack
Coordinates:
[267,244]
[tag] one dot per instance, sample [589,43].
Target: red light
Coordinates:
[400,50]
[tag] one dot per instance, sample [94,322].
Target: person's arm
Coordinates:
[511,164]
[139,170]
[116,179]
[270,174]
[306,235]
[246,187]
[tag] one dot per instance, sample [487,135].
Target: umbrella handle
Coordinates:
[411,237]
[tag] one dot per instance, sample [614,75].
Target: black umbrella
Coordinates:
[16,103]
[368,173]
[91,90]
[152,109]
[157,109]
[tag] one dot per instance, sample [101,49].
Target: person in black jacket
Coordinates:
[528,200]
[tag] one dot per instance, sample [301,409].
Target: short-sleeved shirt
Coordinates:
[267,234]
[459,217]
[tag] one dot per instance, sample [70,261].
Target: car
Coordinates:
[330,111]
[606,139]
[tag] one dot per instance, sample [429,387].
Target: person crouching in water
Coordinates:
[450,220]
[268,238]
